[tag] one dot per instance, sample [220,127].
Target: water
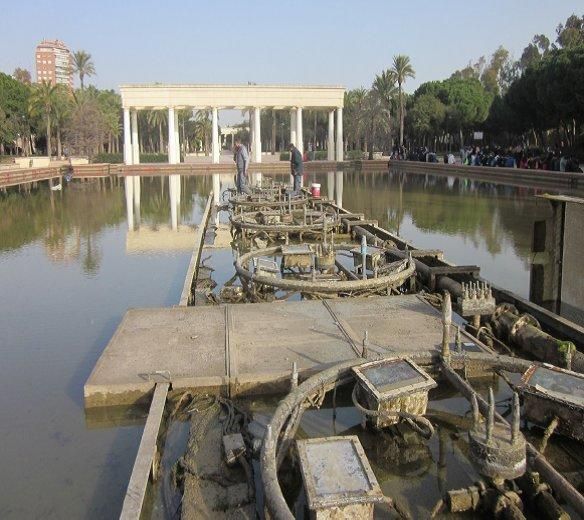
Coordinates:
[69,269]
[67,278]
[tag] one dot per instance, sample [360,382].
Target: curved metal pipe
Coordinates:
[326,286]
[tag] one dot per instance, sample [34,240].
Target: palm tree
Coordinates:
[42,101]
[83,65]
[402,68]
[384,87]
[158,118]
[203,127]
[61,112]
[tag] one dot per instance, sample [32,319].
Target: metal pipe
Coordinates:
[363,258]
[275,502]
[446,321]
[524,332]
[443,282]
[535,459]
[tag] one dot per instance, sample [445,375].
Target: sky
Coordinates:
[302,42]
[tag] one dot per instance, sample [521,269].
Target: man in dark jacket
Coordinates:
[296,167]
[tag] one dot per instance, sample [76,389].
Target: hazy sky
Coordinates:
[312,42]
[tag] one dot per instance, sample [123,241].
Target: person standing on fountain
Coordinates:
[296,167]
[241,158]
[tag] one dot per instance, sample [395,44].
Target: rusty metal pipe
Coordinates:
[443,282]
[524,332]
[535,459]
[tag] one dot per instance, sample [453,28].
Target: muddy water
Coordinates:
[70,268]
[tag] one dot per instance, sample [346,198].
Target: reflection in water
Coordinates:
[339,188]
[474,223]
[137,200]
[129,190]
[334,187]
[67,279]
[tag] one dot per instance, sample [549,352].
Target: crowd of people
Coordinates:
[518,157]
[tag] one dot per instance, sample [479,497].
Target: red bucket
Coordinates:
[315,189]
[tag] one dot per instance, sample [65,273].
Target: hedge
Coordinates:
[118,158]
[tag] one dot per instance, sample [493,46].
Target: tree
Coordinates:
[86,128]
[492,74]
[374,120]
[158,118]
[467,104]
[355,116]
[426,116]
[203,127]
[384,86]
[42,103]
[61,110]
[403,70]
[571,34]
[22,75]
[110,104]
[82,65]
[14,104]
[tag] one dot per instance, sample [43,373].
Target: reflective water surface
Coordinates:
[72,262]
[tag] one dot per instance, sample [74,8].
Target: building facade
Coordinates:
[54,63]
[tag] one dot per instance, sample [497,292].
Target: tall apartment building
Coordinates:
[54,63]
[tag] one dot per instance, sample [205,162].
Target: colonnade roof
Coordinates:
[160,96]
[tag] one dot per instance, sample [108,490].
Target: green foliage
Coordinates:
[549,94]
[153,158]
[467,103]
[453,106]
[83,66]
[284,156]
[14,100]
[571,34]
[111,158]
[353,155]
[118,158]
[427,114]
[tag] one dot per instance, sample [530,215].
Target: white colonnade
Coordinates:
[244,97]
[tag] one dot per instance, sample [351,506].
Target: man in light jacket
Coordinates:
[241,158]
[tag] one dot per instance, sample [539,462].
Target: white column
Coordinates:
[257,144]
[293,127]
[171,137]
[339,134]
[129,188]
[299,135]
[251,132]
[127,137]
[214,138]
[176,139]
[330,147]
[135,142]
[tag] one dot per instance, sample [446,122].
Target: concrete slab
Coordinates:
[183,345]
[266,338]
[250,348]
[396,324]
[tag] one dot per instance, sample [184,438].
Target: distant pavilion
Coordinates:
[255,98]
